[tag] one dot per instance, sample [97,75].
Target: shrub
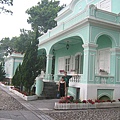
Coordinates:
[77,101]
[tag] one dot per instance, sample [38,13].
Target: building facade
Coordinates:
[11,63]
[86,42]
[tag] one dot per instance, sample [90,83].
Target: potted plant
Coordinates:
[103,72]
[61,71]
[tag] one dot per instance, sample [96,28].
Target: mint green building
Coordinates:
[11,63]
[86,42]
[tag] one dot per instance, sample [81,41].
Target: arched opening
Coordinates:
[103,54]
[105,98]
[65,55]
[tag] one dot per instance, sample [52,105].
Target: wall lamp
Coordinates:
[67,46]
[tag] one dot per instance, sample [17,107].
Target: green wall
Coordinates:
[104,42]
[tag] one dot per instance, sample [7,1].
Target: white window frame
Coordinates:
[98,60]
[61,64]
[71,65]
[68,65]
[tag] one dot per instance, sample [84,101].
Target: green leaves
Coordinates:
[6,2]
[2,72]
[43,15]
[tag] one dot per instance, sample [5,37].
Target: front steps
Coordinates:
[49,90]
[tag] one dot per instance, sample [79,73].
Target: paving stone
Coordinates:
[8,106]
[91,114]
[7,102]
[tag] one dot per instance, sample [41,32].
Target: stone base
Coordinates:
[63,106]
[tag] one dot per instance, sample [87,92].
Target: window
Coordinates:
[104,5]
[61,64]
[77,63]
[104,59]
[67,64]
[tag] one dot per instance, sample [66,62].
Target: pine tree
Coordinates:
[2,72]
[17,79]
[30,65]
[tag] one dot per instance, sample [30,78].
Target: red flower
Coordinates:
[84,101]
[98,101]
[90,101]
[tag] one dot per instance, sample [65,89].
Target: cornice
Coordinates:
[89,45]
[89,20]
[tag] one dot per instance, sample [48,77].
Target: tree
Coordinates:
[23,41]
[16,44]
[43,15]
[6,46]
[17,79]
[3,8]
[2,72]
[30,65]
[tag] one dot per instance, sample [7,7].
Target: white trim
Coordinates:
[78,53]
[104,94]
[93,70]
[117,67]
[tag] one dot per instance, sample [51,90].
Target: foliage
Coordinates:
[67,100]
[6,46]
[43,15]
[2,72]
[3,8]
[17,79]
[16,44]
[31,66]
[23,41]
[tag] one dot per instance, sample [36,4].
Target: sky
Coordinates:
[10,25]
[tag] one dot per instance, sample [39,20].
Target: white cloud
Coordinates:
[10,25]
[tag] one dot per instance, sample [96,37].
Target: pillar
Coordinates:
[88,69]
[115,64]
[48,75]
[115,71]
[39,86]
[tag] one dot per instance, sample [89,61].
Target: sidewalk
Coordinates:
[35,108]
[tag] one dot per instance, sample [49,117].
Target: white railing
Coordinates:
[76,78]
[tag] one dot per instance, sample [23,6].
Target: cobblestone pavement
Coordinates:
[7,102]
[91,114]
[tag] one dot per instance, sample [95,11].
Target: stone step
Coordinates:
[49,90]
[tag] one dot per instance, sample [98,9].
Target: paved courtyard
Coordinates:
[43,110]
[7,102]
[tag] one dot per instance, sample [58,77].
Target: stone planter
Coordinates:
[27,98]
[68,106]
[72,105]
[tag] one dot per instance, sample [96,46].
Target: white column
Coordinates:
[88,70]
[48,75]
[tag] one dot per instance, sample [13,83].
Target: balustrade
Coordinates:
[104,79]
